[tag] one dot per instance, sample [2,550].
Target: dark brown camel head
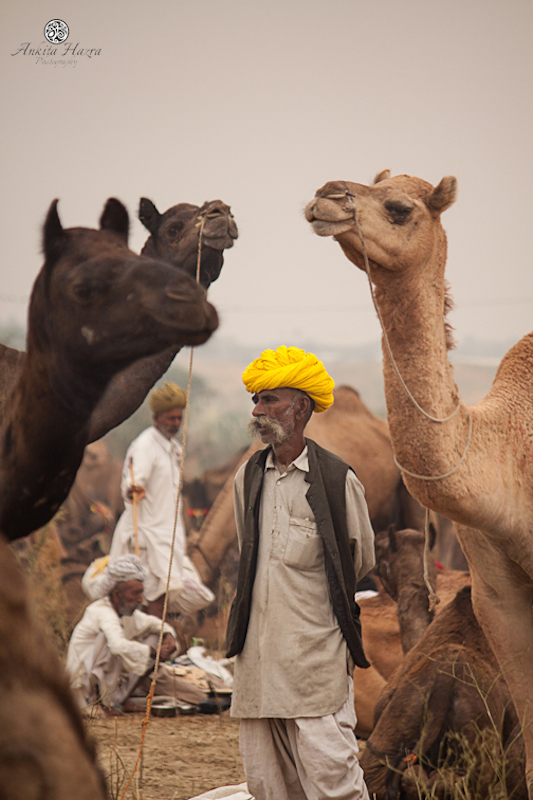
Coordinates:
[175,236]
[97,304]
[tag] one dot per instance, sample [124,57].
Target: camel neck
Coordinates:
[412,307]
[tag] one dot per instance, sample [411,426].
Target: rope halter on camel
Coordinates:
[433,597]
[151,693]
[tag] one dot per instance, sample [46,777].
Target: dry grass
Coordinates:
[478,766]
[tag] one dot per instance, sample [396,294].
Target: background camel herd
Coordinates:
[105,324]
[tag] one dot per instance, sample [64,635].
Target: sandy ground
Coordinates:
[182,756]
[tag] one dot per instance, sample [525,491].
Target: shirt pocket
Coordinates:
[304,548]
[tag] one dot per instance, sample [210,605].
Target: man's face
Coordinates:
[168,423]
[274,415]
[127,597]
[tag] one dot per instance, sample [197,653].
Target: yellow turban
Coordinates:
[167,397]
[293,368]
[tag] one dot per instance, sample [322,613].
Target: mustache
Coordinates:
[257,424]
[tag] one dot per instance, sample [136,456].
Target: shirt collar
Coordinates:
[168,444]
[301,463]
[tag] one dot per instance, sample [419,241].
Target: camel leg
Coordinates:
[502,596]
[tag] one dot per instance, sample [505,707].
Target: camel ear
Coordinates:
[382,176]
[115,218]
[443,195]
[149,215]
[53,235]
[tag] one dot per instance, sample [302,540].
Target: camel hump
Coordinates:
[347,399]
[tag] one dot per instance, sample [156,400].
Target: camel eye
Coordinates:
[400,212]
[174,229]
[87,291]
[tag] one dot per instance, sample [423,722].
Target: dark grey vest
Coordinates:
[327,498]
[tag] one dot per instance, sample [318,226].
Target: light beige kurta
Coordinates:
[294,660]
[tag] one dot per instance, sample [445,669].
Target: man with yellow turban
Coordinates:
[150,480]
[305,541]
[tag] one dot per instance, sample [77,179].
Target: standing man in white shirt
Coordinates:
[154,461]
[305,540]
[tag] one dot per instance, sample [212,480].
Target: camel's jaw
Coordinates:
[328,216]
[186,319]
[219,230]
[324,227]
[220,242]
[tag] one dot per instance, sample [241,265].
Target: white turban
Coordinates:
[125,568]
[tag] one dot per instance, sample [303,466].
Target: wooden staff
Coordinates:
[134,500]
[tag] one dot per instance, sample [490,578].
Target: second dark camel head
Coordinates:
[175,236]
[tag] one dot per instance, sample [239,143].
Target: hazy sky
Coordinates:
[259,104]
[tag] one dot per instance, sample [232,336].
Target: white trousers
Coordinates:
[308,758]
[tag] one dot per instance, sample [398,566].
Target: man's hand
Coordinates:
[168,646]
[136,491]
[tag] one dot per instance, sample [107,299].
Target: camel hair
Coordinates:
[44,747]
[174,238]
[96,308]
[475,466]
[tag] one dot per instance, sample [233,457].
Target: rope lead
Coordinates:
[151,693]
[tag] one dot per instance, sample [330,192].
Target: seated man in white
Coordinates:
[114,645]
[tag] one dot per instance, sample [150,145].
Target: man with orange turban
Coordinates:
[151,474]
[305,541]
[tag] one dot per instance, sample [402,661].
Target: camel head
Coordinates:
[175,236]
[95,302]
[399,557]
[399,219]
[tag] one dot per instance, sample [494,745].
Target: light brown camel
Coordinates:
[96,307]
[480,460]
[174,238]
[448,686]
